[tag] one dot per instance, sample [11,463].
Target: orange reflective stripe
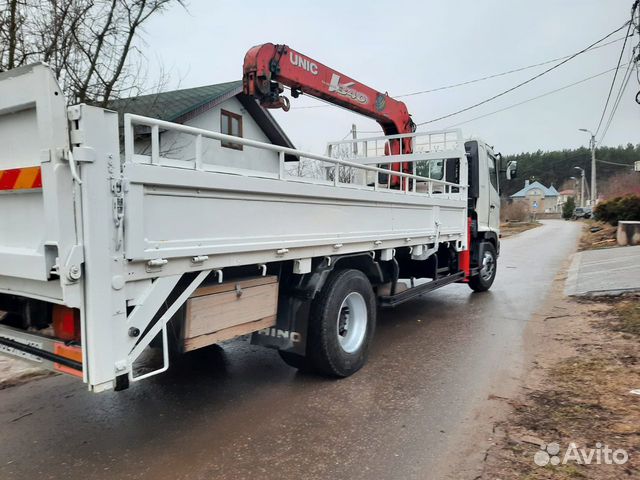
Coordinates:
[21,178]
[26,178]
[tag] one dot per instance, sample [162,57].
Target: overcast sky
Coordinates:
[402,47]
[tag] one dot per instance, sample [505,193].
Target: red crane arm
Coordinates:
[268,67]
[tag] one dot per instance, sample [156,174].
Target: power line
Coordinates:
[623,87]
[534,98]
[535,77]
[515,70]
[468,82]
[615,75]
[348,133]
[537,97]
[615,163]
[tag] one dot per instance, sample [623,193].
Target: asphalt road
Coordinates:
[239,412]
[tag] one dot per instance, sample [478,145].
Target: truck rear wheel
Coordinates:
[487,269]
[341,324]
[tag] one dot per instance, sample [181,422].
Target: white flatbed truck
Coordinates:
[106,251]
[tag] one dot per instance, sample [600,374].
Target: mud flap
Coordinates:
[290,331]
[476,257]
[294,306]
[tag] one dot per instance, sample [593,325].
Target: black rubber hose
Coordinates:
[67,362]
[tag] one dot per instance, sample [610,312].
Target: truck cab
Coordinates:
[485,167]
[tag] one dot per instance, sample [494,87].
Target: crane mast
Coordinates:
[268,68]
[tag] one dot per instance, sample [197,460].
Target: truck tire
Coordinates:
[488,268]
[341,324]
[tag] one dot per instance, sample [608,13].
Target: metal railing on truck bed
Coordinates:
[181,208]
[441,145]
[433,144]
[431,153]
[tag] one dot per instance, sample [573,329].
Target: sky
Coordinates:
[405,46]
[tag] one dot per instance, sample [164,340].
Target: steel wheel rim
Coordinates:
[351,325]
[488,266]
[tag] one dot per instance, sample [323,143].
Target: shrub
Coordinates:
[568,208]
[515,211]
[619,208]
[620,185]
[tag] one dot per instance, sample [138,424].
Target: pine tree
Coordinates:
[568,207]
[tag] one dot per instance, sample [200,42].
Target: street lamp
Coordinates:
[581,185]
[592,146]
[575,183]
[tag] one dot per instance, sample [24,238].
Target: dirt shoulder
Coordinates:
[596,235]
[582,361]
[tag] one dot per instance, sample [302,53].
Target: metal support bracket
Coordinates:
[420,252]
[72,269]
[154,297]
[117,191]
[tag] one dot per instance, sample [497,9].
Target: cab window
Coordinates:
[431,169]
[493,171]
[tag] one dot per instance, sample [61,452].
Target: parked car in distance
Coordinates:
[581,212]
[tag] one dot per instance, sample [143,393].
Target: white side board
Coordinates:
[179,212]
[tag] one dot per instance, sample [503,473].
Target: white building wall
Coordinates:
[180,146]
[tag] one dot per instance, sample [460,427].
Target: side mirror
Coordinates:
[512,170]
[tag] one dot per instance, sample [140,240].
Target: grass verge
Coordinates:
[513,228]
[585,399]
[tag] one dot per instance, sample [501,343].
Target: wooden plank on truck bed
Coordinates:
[231,285]
[222,311]
[228,333]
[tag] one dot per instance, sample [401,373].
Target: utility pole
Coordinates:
[582,195]
[594,196]
[592,146]
[354,135]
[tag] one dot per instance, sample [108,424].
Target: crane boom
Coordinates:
[268,67]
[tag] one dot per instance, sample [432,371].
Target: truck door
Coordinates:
[493,196]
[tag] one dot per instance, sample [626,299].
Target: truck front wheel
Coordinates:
[342,324]
[482,281]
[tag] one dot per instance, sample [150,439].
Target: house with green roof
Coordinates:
[222,108]
[539,199]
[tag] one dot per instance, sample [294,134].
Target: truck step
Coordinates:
[399,298]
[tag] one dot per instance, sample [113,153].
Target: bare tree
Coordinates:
[305,168]
[345,174]
[342,152]
[92,45]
